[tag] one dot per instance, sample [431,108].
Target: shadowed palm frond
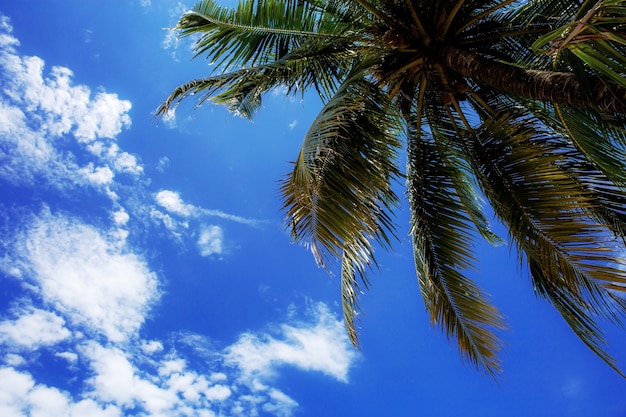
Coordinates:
[241,91]
[441,230]
[338,197]
[574,260]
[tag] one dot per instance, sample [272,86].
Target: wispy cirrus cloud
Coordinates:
[173,203]
[178,214]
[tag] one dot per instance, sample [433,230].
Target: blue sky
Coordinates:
[144,269]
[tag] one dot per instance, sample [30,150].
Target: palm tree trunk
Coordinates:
[551,86]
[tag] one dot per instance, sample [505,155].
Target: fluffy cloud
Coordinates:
[20,395]
[87,277]
[323,347]
[33,328]
[211,240]
[39,111]
[171,201]
[147,379]
[93,287]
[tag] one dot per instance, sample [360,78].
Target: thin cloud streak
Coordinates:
[172,202]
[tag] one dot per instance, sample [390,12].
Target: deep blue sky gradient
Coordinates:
[255,289]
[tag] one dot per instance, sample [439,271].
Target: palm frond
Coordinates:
[338,197]
[321,66]
[521,102]
[599,140]
[441,230]
[572,259]
[595,37]
[257,31]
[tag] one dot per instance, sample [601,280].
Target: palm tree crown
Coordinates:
[519,103]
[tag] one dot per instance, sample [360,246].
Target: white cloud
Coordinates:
[143,377]
[33,328]
[126,162]
[293,124]
[323,347]
[6,40]
[282,404]
[171,41]
[230,217]
[40,111]
[151,346]
[87,277]
[117,381]
[211,241]
[169,118]
[171,201]
[13,359]
[163,164]
[71,357]
[211,238]
[97,175]
[20,396]
[121,217]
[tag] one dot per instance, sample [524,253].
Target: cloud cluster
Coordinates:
[39,112]
[95,297]
[86,276]
[85,292]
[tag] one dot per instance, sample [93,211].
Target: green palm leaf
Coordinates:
[241,91]
[442,232]
[548,216]
[338,197]
[257,31]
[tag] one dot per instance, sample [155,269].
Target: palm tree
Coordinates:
[518,103]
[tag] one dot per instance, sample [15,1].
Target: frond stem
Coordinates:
[373,10]
[418,23]
[259,28]
[482,15]
[451,17]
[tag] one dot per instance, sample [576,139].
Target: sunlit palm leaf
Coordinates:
[241,91]
[257,31]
